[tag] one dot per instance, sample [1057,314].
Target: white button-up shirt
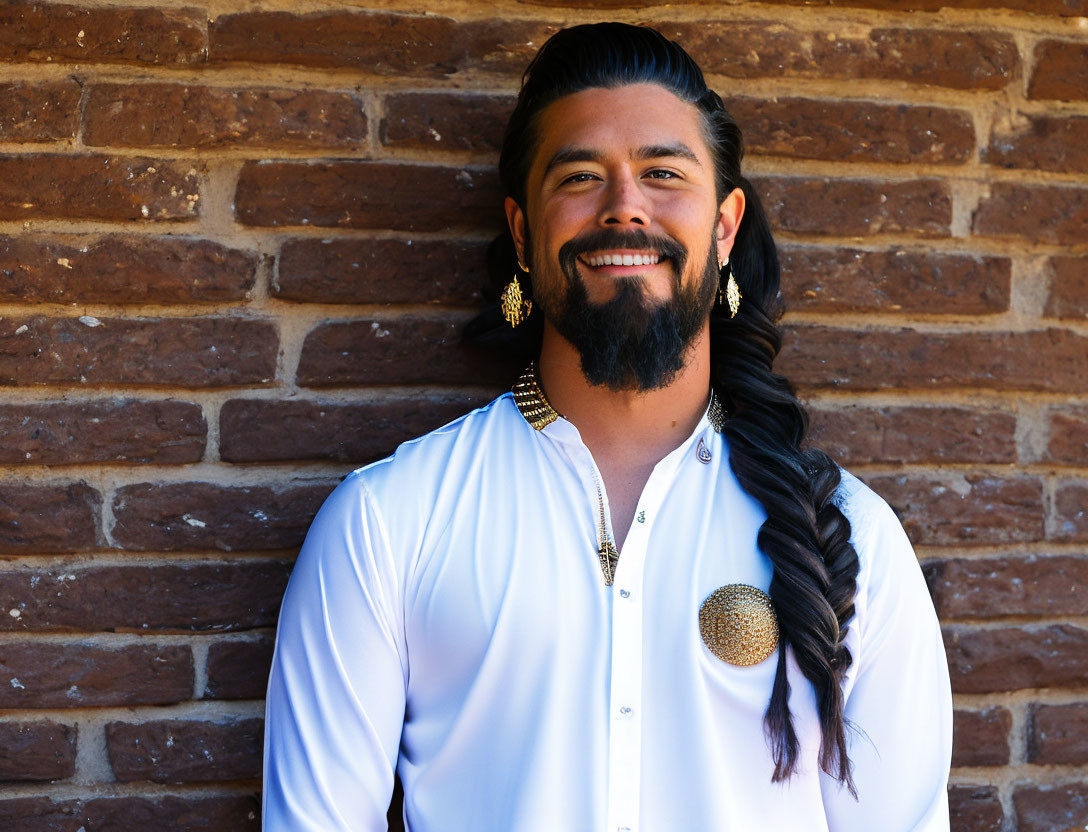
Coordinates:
[448,618]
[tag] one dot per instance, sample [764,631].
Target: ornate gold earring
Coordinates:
[513,304]
[732,290]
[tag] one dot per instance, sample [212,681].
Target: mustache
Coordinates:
[607,238]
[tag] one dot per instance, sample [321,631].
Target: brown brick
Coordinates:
[853,131]
[239,669]
[445,121]
[1071,512]
[185,751]
[1062,808]
[995,587]
[1063,8]
[1058,734]
[37,675]
[37,750]
[380,271]
[95,187]
[364,194]
[1050,360]
[262,430]
[1038,213]
[856,208]
[1061,70]
[40,814]
[940,57]
[1013,658]
[37,519]
[122,269]
[190,352]
[1043,142]
[968,509]
[39,111]
[113,430]
[198,515]
[176,814]
[181,115]
[1068,296]
[861,435]
[975,809]
[981,738]
[53,32]
[394,350]
[1068,443]
[186,598]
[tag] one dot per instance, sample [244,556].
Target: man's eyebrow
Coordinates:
[569,154]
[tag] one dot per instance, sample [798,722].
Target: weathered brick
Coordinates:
[1068,443]
[176,814]
[855,207]
[1061,70]
[995,587]
[103,34]
[1013,658]
[37,675]
[1058,734]
[1037,213]
[1040,142]
[96,187]
[1062,808]
[40,814]
[38,111]
[394,350]
[967,509]
[112,430]
[185,751]
[262,430]
[1050,360]
[1063,8]
[380,271]
[981,738]
[365,194]
[860,435]
[145,598]
[239,669]
[897,281]
[1068,296]
[1071,512]
[182,115]
[37,519]
[198,515]
[122,269]
[37,750]
[445,121]
[190,352]
[975,809]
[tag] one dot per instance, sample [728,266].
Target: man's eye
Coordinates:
[578,177]
[661,174]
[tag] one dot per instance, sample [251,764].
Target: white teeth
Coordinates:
[628,260]
[638,260]
[623,260]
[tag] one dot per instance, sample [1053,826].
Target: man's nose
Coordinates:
[624,204]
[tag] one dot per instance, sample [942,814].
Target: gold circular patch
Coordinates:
[738,624]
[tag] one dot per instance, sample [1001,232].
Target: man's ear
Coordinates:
[515,219]
[729,216]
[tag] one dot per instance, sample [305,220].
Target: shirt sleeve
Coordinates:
[336,693]
[898,695]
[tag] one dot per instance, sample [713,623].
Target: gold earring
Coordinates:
[732,290]
[515,308]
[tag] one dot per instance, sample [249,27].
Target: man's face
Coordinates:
[624,231]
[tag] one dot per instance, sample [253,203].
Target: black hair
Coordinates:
[805,536]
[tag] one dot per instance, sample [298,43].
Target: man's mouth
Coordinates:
[621,257]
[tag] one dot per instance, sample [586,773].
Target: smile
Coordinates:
[621,258]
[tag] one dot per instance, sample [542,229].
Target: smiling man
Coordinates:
[625,595]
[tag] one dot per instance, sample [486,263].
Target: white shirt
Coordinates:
[448,617]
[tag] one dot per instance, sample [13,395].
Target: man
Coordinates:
[623,596]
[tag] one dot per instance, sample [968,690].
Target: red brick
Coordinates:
[1068,296]
[1013,658]
[239,669]
[36,519]
[975,809]
[176,814]
[981,738]
[1058,734]
[48,675]
[95,187]
[189,352]
[262,430]
[1063,8]
[146,598]
[445,121]
[1068,443]
[40,814]
[853,131]
[198,515]
[1071,512]
[182,115]
[996,587]
[1061,70]
[1061,808]
[1050,360]
[856,208]
[394,350]
[1042,142]
[126,269]
[37,750]
[861,435]
[39,111]
[185,751]
[55,32]
[1037,213]
[380,271]
[365,194]
[110,430]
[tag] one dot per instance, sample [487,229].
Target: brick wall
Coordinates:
[235,253]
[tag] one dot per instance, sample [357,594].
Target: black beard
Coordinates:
[631,342]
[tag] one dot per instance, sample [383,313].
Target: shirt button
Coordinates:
[623,829]
[641,517]
[624,593]
[626,711]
